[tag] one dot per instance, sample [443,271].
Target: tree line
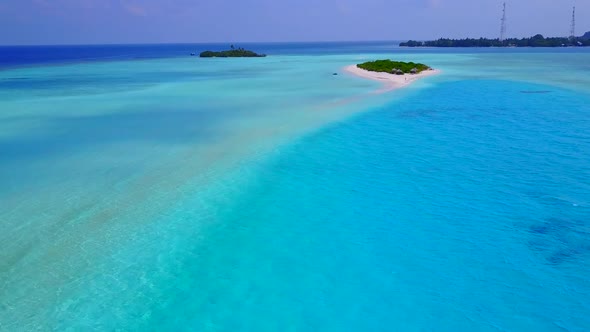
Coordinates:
[535,41]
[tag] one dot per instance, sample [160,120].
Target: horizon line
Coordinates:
[259,42]
[209,43]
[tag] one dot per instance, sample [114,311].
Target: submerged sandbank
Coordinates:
[390,81]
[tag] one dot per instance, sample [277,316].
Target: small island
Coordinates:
[231,53]
[534,41]
[394,67]
[393,74]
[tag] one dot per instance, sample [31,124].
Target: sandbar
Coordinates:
[390,81]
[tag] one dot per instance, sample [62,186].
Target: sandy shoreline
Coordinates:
[390,81]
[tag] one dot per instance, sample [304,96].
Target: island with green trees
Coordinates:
[535,41]
[231,53]
[394,67]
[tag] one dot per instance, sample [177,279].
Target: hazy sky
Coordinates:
[155,21]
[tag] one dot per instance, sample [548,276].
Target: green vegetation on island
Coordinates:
[394,67]
[231,53]
[535,41]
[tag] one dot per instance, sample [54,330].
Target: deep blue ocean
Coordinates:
[13,56]
[147,190]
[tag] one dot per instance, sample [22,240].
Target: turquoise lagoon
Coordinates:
[185,194]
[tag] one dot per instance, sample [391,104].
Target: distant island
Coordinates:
[231,53]
[535,41]
[393,67]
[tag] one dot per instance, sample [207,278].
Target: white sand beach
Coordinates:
[390,81]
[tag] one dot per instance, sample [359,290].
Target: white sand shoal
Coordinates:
[390,81]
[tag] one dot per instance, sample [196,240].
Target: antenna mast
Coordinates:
[503,26]
[573,27]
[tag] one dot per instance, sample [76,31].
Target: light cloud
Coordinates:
[135,10]
[434,3]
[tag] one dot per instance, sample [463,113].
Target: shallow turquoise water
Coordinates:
[465,215]
[166,195]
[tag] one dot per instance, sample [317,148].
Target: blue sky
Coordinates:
[169,21]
